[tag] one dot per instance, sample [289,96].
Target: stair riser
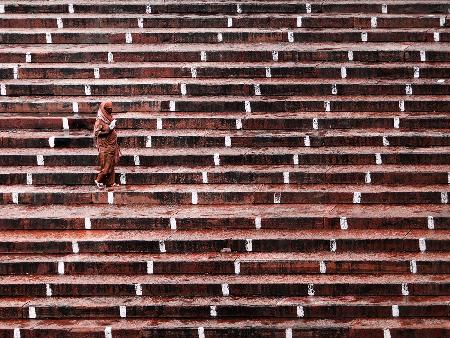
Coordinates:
[258,245]
[226,268]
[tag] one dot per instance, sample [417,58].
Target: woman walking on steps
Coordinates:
[106,141]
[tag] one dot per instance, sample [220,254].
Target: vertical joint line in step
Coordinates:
[60,268]
[219,37]
[385,141]
[307,141]
[408,89]
[48,290]
[193,72]
[334,90]
[31,312]
[237,267]
[395,311]
[159,123]
[2,11]
[16,333]
[87,90]
[51,141]
[183,89]
[257,88]
[322,267]
[248,245]
[386,333]
[442,21]
[148,142]
[238,9]
[238,124]
[295,159]
[315,123]
[364,36]
[327,106]
[213,311]
[416,72]
[227,141]
[172,105]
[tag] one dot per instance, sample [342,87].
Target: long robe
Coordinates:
[106,142]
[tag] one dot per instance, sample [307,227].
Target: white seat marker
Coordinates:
[219,37]
[97,73]
[172,106]
[289,332]
[286,177]
[315,123]
[277,197]
[183,89]
[108,332]
[148,142]
[75,247]
[373,22]
[422,245]
[59,23]
[238,8]
[203,56]
[201,332]
[204,177]
[29,178]
[87,223]
[405,290]
[137,161]
[51,141]
[416,72]
[343,72]
[386,333]
[140,23]
[110,57]
[230,22]
[368,178]
[275,55]
[350,55]
[423,56]
[257,88]
[334,90]
[308,8]
[159,123]
[148,9]
[110,197]
[75,107]
[60,268]
[248,245]
[343,223]
[227,141]
[138,289]
[300,311]
[299,21]
[48,290]
[31,312]
[408,89]
[333,245]
[65,123]
[436,36]
[430,222]
[413,266]
[307,141]
[3,89]
[248,107]
[327,106]
[290,36]
[194,197]
[442,21]
[268,72]
[87,90]
[2,11]
[193,72]
[225,289]
[258,223]
[28,57]
[40,159]
[395,311]
[322,267]
[123,311]
[378,159]
[150,267]
[357,197]
[237,267]
[384,9]
[71,9]
[385,141]
[15,197]
[238,124]
[16,333]
[364,36]
[128,37]
[311,291]
[16,72]
[123,178]
[213,311]
[216,157]
[162,246]
[48,37]
[444,197]
[295,159]
[173,223]
[396,122]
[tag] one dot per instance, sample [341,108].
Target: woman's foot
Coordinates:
[99,185]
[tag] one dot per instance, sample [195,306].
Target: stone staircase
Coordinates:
[285,169]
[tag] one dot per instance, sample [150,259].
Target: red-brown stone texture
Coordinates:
[285,169]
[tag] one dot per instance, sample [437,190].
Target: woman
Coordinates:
[108,148]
